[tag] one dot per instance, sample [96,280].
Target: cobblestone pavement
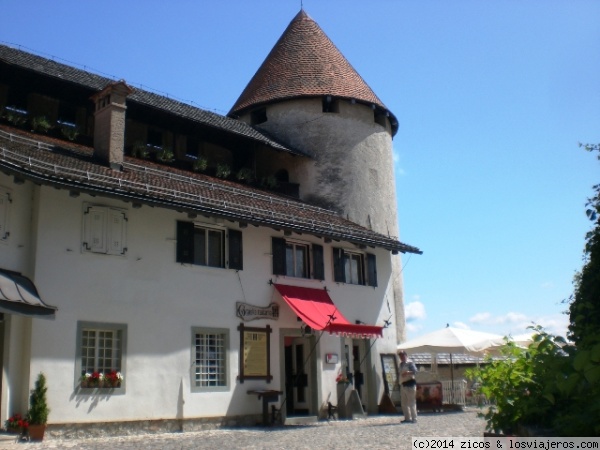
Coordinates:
[376,432]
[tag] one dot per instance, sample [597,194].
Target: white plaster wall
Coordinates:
[160,301]
[16,254]
[352,171]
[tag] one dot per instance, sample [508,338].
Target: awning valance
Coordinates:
[18,295]
[315,308]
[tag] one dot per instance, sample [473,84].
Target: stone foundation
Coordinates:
[140,427]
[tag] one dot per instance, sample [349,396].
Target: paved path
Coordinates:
[376,432]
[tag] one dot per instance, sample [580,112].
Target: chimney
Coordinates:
[109,123]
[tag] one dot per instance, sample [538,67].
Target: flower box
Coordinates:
[16,424]
[97,380]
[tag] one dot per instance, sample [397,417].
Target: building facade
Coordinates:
[188,261]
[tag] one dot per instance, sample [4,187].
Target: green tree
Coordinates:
[554,385]
[584,310]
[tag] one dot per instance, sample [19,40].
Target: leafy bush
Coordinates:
[549,385]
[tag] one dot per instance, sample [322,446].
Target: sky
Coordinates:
[493,98]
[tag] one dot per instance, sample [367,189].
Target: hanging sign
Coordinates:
[248,312]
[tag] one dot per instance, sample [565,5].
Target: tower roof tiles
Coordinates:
[305,63]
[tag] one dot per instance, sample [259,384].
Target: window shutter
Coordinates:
[95,229]
[371,270]
[339,276]
[185,242]
[236,260]
[4,202]
[278,256]
[116,232]
[318,266]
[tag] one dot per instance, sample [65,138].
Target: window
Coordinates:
[209,355]
[100,348]
[206,246]
[67,114]
[296,260]
[330,105]
[258,116]
[104,230]
[354,267]
[380,118]
[192,147]
[292,258]
[155,138]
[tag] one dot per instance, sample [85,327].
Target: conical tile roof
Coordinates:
[305,63]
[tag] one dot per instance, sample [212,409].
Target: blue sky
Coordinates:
[493,98]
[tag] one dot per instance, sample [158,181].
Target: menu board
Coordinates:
[390,376]
[255,353]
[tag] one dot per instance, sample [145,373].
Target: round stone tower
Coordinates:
[307,95]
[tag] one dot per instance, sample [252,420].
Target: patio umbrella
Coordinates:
[453,340]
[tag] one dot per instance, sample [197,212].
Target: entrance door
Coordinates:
[297,377]
[360,370]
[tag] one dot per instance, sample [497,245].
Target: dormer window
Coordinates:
[380,117]
[258,116]
[330,105]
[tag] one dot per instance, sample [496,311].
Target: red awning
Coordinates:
[315,308]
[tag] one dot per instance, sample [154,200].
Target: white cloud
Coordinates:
[461,325]
[413,327]
[414,311]
[480,317]
[515,323]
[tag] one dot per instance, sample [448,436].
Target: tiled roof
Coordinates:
[95,82]
[304,63]
[70,166]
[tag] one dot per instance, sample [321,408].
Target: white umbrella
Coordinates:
[453,340]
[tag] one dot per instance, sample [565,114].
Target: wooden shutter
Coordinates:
[278,256]
[94,223]
[236,255]
[339,275]
[116,235]
[318,265]
[185,242]
[371,270]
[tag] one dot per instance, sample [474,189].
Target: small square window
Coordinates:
[354,268]
[100,350]
[296,260]
[209,355]
[206,246]
[293,259]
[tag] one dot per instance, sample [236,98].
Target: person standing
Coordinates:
[408,389]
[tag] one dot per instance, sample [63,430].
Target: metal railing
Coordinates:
[240,207]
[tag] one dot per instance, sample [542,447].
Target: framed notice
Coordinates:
[255,353]
[390,373]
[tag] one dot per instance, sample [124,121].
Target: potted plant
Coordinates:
[41,124]
[223,170]
[245,174]
[201,164]
[165,155]
[37,416]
